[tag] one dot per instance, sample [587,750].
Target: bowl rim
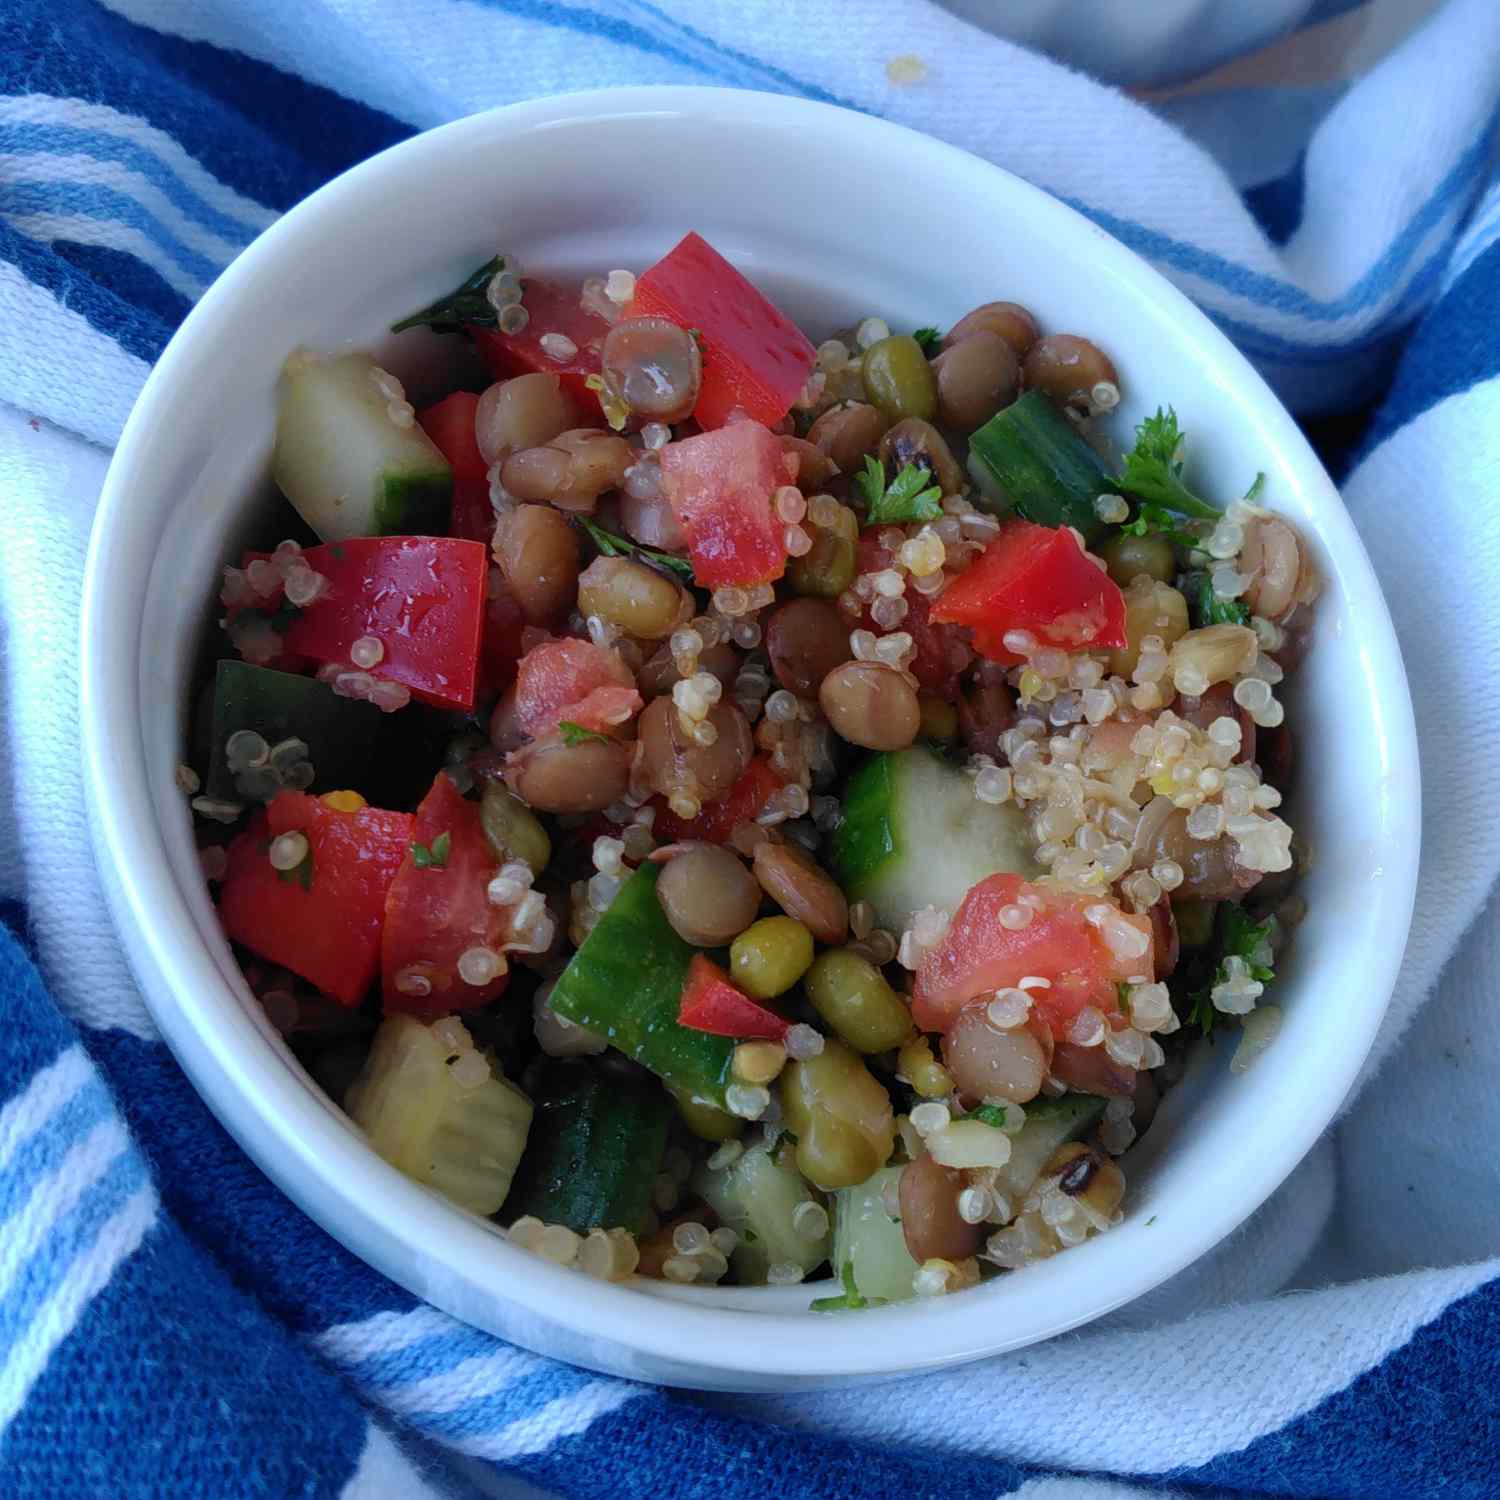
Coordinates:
[325,1167]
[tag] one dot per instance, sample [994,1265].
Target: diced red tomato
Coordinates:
[755,359]
[450,424]
[552,309]
[979,955]
[1034,578]
[329,932]
[587,685]
[721,487]
[421,597]
[710,1002]
[942,652]
[718,819]
[433,913]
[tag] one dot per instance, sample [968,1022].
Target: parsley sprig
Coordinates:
[910,496]
[1239,937]
[1209,608]
[990,1114]
[1153,468]
[575,734]
[466,306]
[928,340]
[613,545]
[1157,520]
[433,856]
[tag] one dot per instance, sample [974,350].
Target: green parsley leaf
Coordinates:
[613,545]
[434,857]
[576,734]
[1153,468]
[1156,520]
[1150,1221]
[910,496]
[928,340]
[1238,937]
[1209,609]
[466,306]
[990,1114]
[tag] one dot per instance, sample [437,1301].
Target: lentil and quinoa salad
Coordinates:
[739,810]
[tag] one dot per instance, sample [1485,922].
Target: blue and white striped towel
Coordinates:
[169,1326]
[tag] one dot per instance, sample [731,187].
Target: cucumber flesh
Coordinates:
[1050,1123]
[758,1199]
[462,1142]
[625,984]
[595,1149]
[914,834]
[346,466]
[1031,454]
[869,1241]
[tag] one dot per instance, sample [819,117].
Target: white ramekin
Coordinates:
[835,214]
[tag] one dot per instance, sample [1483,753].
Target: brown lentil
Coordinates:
[806,639]
[708,895]
[794,881]
[871,705]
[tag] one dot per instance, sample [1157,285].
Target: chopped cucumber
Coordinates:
[341,734]
[345,464]
[625,984]
[1050,1123]
[759,1200]
[463,1142]
[914,835]
[595,1150]
[1030,454]
[869,1241]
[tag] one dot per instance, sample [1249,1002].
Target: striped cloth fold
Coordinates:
[171,1326]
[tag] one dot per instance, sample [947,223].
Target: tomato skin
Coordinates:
[574,680]
[978,955]
[718,819]
[553,309]
[755,359]
[942,652]
[450,424]
[712,1003]
[422,597]
[433,914]
[1034,578]
[329,934]
[720,486]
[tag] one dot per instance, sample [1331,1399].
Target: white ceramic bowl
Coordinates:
[836,215]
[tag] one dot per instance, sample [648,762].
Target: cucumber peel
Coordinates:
[1031,455]
[595,1149]
[625,984]
[914,834]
